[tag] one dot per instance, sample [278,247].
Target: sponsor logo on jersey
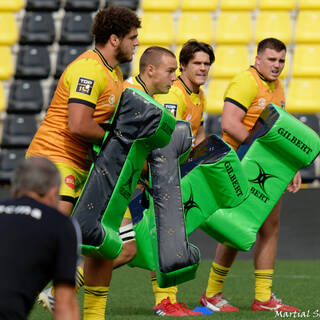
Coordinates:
[172,108]
[69,181]
[261,102]
[85,86]
[111,99]
[26,210]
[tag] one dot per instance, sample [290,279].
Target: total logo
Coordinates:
[70,181]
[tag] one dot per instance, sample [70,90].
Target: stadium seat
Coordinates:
[76,28]
[309,119]
[308,26]
[277,4]
[215,94]
[212,125]
[157,27]
[308,174]
[233,27]
[18,130]
[131,4]
[81,5]
[25,96]
[230,60]
[308,5]
[37,28]
[33,62]
[306,60]
[66,54]
[303,95]
[9,158]
[2,98]
[126,69]
[195,25]
[6,63]
[42,5]
[276,24]
[8,28]
[238,5]
[199,5]
[11,5]
[159,5]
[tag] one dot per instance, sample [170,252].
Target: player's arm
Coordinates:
[86,81]
[82,124]
[200,136]
[231,121]
[66,305]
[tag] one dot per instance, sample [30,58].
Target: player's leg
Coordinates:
[264,261]
[212,297]
[97,277]
[127,235]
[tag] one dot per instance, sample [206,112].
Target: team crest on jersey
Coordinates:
[172,108]
[111,99]
[85,85]
[69,181]
[261,102]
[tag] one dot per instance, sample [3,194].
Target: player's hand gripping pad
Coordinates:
[278,149]
[140,124]
[213,179]
[176,260]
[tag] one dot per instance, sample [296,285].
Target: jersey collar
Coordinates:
[260,74]
[105,62]
[185,86]
[143,85]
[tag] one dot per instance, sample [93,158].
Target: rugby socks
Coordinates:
[95,301]
[163,293]
[79,278]
[263,279]
[218,275]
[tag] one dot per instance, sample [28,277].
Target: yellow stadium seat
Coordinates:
[238,4]
[195,25]
[8,28]
[306,61]
[2,98]
[199,5]
[308,27]
[277,4]
[274,24]
[303,95]
[230,60]
[160,5]
[11,5]
[233,27]
[137,55]
[6,63]
[308,5]
[215,94]
[156,27]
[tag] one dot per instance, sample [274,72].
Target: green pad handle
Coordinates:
[139,125]
[276,151]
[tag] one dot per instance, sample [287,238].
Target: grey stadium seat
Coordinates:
[43,5]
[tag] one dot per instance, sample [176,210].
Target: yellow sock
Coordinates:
[216,279]
[163,293]
[95,301]
[79,278]
[263,280]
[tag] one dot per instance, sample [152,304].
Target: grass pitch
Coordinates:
[297,282]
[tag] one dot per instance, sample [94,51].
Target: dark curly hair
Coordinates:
[190,48]
[113,20]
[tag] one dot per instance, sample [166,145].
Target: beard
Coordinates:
[123,56]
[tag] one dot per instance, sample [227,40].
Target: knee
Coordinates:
[129,251]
